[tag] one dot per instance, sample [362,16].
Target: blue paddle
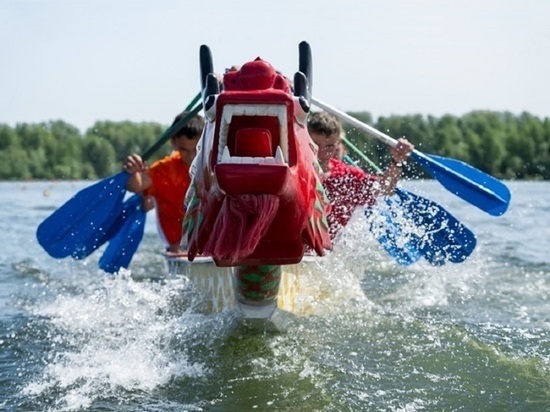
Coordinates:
[127,237]
[462,179]
[85,221]
[412,226]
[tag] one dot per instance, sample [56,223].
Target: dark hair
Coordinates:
[324,123]
[192,129]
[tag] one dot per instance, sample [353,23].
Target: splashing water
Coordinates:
[370,335]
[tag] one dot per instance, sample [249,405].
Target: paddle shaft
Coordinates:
[356,123]
[361,155]
[419,156]
[193,102]
[384,138]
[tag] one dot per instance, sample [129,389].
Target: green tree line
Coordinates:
[505,145]
[58,150]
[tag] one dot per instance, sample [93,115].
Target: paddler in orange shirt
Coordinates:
[167,181]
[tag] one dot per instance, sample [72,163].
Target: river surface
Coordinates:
[473,336]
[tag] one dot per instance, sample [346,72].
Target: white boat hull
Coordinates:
[218,285]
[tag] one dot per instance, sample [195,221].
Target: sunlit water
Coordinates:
[377,337]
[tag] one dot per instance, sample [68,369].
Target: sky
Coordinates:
[81,61]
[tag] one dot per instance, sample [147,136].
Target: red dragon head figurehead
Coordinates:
[255,196]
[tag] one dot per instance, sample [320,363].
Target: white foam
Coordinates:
[122,334]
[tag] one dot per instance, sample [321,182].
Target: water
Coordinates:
[379,337]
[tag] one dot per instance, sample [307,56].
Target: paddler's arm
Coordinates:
[388,180]
[139,180]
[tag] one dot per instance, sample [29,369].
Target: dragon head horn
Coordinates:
[209,82]
[304,76]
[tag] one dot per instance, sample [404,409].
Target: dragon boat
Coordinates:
[256,204]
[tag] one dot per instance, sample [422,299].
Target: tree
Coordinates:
[14,164]
[101,155]
[8,137]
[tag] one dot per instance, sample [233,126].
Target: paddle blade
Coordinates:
[80,226]
[467,182]
[438,235]
[389,230]
[125,241]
